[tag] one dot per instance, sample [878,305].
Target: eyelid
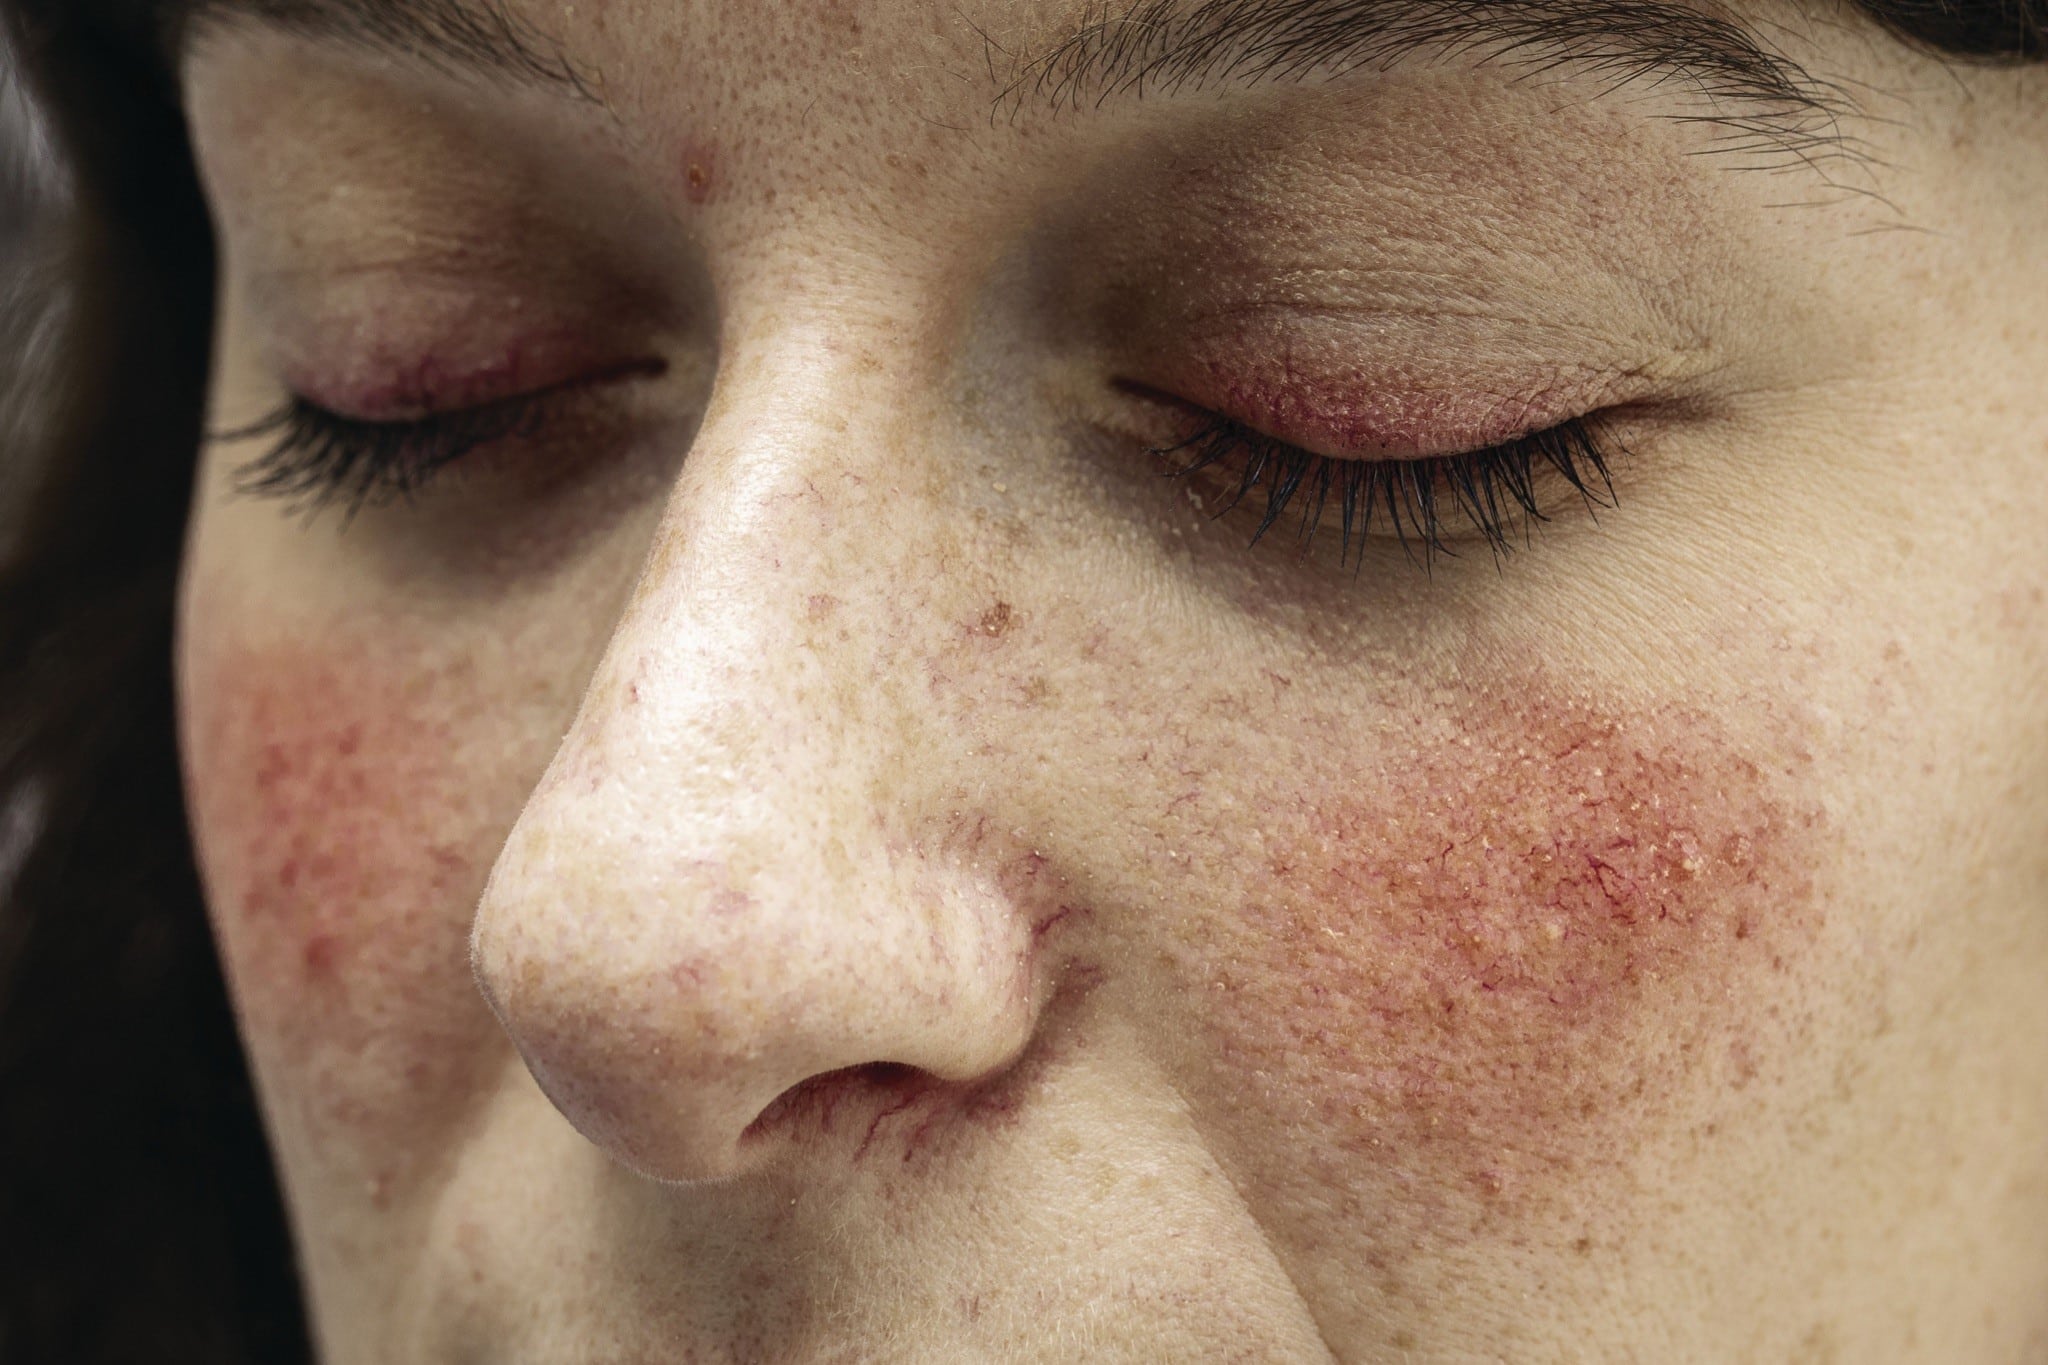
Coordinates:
[1396,383]
[1371,428]
[1346,405]
[419,390]
[318,457]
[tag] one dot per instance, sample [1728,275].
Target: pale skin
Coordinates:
[820,851]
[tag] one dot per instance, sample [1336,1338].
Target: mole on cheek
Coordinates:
[344,851]
[1495,940]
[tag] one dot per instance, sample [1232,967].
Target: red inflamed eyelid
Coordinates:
[398,383]
[1348,407]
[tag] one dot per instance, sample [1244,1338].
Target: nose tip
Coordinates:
[762,858]
[701,1030]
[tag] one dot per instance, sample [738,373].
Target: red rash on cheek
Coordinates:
[1507,946]
[345,846]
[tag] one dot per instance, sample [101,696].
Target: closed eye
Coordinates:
[318,458]
[1426,503]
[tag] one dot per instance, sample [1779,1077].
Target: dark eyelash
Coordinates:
[318,458]
[1494,489]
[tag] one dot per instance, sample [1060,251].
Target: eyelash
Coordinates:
[318,459]
[1495,488]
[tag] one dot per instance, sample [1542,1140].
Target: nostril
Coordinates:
[820,1105]
[874,1108]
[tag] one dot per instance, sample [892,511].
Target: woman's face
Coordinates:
[937,889]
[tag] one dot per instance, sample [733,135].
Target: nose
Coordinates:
[740,879]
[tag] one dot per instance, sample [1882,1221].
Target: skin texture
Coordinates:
[814,850]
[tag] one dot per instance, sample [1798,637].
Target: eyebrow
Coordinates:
[461,36]
[1757,100]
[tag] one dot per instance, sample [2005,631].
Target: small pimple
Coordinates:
[700,172]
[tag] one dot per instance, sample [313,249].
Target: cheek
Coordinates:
[1505,940]
[345,832]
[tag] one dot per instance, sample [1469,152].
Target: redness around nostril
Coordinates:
[887,1113]
[820,1106]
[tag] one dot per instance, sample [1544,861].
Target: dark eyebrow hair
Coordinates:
[1759,99]
[474,36]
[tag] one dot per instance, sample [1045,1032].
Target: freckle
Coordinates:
[996,620]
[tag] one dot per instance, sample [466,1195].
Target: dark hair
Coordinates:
[139,1217]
